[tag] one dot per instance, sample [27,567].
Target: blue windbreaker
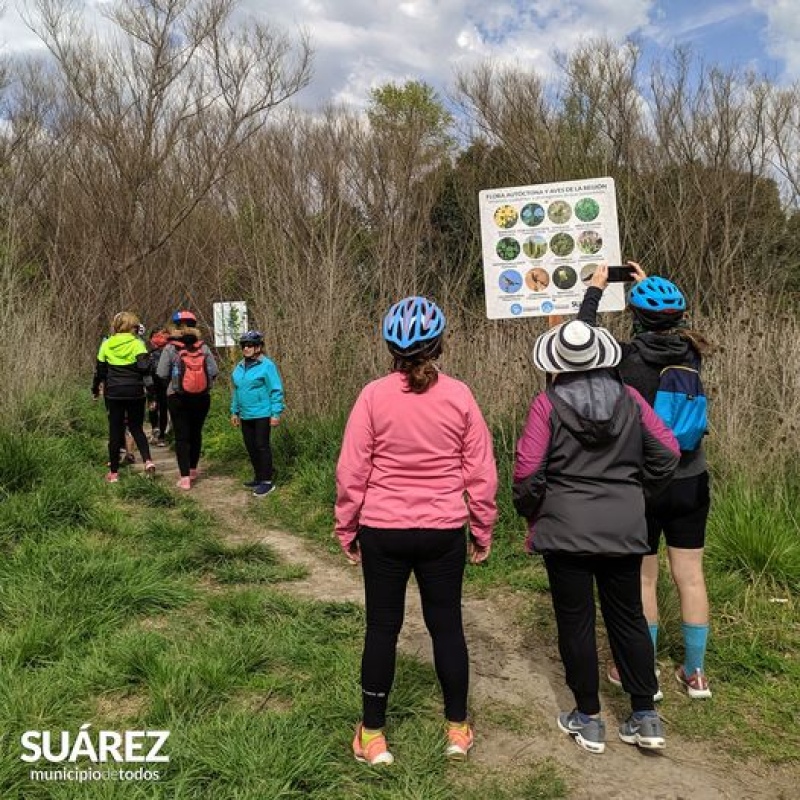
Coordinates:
[257,390]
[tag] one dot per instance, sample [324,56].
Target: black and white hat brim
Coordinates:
[552,353]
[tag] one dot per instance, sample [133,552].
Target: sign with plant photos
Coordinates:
[541,245]
[230,322]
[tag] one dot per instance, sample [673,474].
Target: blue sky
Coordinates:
[360,44]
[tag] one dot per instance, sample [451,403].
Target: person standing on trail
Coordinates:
[590,450]
[158,410]
[256,407]
[122,374]
[663,339]
[416,466]
[189,368]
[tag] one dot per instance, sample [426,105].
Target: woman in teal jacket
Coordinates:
[256,406]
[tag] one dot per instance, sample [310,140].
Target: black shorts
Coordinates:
[680,513]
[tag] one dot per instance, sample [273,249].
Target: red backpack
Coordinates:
[192,377]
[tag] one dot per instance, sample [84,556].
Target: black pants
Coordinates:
[255,433]
[122,414]
[437,558]
[572,580]
[188,413]
[158,416]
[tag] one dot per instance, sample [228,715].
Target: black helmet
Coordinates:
[251,337]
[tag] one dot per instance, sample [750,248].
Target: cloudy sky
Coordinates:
[363,43]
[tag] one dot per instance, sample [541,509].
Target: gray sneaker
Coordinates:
[644,729]
[588,732]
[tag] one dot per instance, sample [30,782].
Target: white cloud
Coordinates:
[783,32]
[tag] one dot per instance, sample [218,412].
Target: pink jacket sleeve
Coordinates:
[480,476]
[353,470]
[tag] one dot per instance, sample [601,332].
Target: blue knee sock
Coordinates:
[695,639]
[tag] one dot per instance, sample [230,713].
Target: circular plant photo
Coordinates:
[532,214]
[564,277]
[507,248]
[505,216]
[587,209]
[510,281]
[559,212]
[590,242]
[562,244]
[537,279]
[534,246]
[587,271]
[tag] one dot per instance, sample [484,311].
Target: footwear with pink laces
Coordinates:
[460,739]
[372,752]
[112,477]
[696,685]
[184,483]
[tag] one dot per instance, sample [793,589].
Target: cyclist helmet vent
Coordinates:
[184,318]
[412,325]
[657,294]
[252,337]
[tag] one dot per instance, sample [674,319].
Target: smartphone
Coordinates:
[620,274]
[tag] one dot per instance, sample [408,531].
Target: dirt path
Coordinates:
[509,666]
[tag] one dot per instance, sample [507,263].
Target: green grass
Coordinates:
[752,572]
[121,606]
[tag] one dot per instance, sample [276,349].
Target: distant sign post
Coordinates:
[542,243]
[230,322]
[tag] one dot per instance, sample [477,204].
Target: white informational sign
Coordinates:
[541,245]
[230,322]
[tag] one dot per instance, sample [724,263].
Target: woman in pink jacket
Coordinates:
[416,465]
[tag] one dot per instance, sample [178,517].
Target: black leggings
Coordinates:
[188,413]
[618,579]
[122,414]
[437,558]
[159,415]
[256,433]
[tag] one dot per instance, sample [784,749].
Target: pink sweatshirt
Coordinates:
[408,460]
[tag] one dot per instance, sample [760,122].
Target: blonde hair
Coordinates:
[124,322]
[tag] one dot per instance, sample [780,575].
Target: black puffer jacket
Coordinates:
[643,358]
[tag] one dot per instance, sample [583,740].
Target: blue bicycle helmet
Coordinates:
[657,294]
[412,326]
[251,337]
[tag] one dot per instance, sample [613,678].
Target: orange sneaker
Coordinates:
[460,739]
[374,751]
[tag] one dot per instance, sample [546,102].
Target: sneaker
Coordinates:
[250,484]
[184,483]
[263,489]
[696,686]
[129,458]
[644,729]
[613,678]
[112,477]
[374,752]
[149,467]
[588,732]
[460,739]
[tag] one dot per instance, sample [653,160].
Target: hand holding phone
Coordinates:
[620,274]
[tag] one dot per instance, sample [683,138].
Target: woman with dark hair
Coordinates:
[416,466]
[662,338]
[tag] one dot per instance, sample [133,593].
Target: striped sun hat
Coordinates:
[574,347]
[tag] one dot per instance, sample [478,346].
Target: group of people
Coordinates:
[173,379]
[598,476]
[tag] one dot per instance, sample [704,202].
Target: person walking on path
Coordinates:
[122,374]
[416,465]
[256,407]
[158,409]
[590,450]
[189,367]
[662,338]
